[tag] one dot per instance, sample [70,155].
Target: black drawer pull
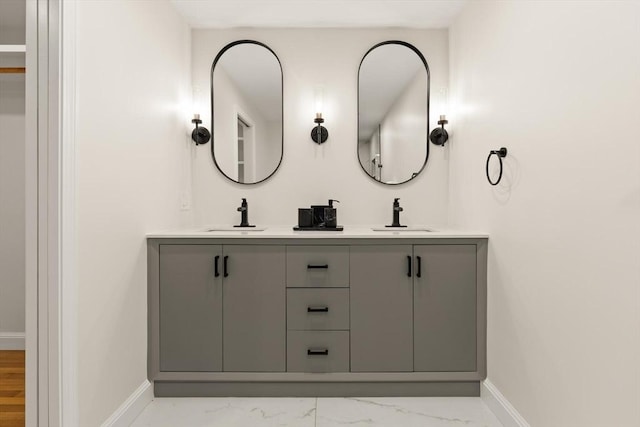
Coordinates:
[317,267]
[317,352]
[408,266]
[217,272]
[317,309]
[419,273]
[226,266]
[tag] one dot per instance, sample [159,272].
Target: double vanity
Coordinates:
[277,312]
[317,309]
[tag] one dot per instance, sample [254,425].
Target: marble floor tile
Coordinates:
[228,412]
[320,412]
[405,412]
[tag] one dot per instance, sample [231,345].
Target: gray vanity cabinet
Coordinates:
[413,308]
[190,309]
[445,308]
[254,299]
[222,308]
[317,316]
[381,308]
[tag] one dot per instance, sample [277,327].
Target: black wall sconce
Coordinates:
[440,135]
[319,133]
[200,135]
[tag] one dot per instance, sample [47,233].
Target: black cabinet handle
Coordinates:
[419,273]
[408,266]
[318,352]
[226,266]
[217,272]
[317,309]
[317,267]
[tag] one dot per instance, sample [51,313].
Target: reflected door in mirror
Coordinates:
[393,112]
[247,119]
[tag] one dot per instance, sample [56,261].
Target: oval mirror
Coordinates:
[393,112]
[246,106]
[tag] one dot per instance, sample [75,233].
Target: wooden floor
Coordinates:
[11,388]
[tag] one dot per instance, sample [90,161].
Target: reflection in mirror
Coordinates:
[393,112]
[246,91]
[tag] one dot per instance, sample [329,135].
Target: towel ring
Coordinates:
[502,152]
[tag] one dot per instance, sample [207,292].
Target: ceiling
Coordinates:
[319,13]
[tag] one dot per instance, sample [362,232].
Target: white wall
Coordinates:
[559,86]
[403,132]
[133,112]
[229,102]
[311,173]
[12,205]
[365,148]
[269,150]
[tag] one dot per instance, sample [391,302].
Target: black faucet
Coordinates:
[396,214]
[244,210]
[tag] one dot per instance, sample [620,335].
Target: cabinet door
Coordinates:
[190,308]
[445,308]
[254,309]
[381,309]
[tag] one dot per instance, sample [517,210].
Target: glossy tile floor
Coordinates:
[320,412]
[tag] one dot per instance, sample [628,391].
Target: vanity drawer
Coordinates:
[318,351]
[317,266]
[318,309]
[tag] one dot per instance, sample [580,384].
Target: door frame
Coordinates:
[51,335]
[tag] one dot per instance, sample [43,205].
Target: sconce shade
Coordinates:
[324,134]
[199,135]
[319,134]
[439,136]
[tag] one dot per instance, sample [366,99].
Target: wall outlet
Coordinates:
[185,203]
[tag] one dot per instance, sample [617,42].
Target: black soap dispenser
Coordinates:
[319,218]
[331,215]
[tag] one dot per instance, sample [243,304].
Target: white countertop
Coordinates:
[349,232]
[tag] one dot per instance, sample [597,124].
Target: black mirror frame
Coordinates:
[213,66]
[426,66]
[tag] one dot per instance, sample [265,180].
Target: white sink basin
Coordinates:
[405,229]
[230,228]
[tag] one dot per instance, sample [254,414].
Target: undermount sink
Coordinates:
[408,228]
[236,229]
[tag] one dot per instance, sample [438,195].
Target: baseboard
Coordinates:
[11,340]
[314,389]
[500,406]
[132,407]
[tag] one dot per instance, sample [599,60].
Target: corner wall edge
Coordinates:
[132,407]
[500,406]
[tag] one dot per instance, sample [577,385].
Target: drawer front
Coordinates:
[318,309]
[318,351]
[317,266]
